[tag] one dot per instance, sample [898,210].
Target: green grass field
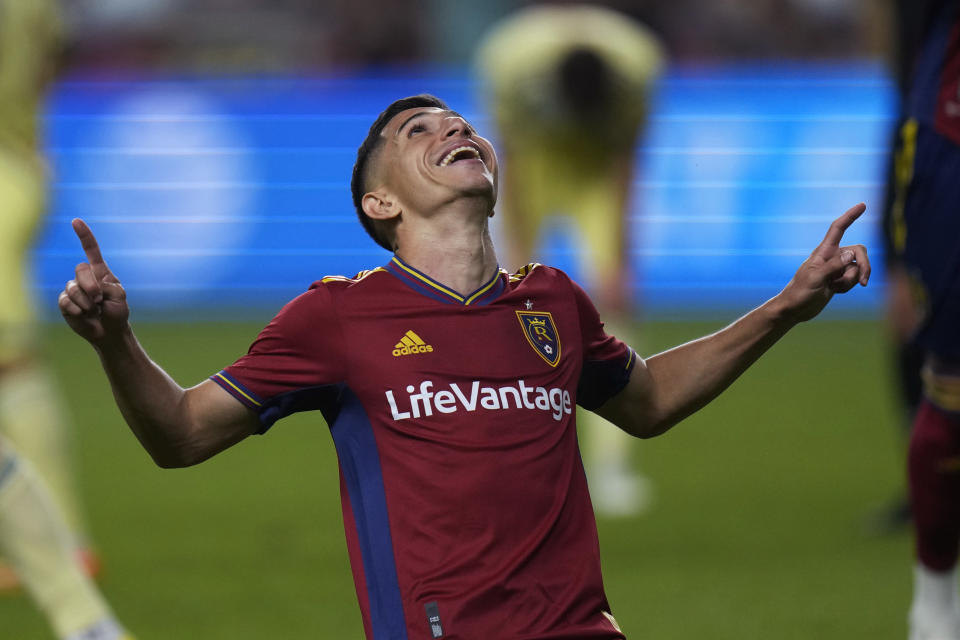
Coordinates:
[757,531]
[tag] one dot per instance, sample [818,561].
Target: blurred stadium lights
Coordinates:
[228,188]
[232,192]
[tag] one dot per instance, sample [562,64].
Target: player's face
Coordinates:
[433,155]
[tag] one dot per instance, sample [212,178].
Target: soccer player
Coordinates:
[569,88]
[902,317]
[449,387]
[926,236]
[41,540]
[36,541]
[31,417]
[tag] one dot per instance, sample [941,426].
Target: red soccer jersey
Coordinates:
[464,498]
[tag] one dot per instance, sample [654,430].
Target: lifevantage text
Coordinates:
[424,401]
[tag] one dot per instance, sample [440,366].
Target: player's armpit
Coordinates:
[217,421]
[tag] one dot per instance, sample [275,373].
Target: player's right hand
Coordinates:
[94,303]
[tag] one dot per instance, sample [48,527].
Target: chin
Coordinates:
[480,187]
[487,194]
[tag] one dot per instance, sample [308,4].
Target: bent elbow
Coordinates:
[649,426]
[170,460]
[643,430]
[176,456]
[654,430]
[639,424]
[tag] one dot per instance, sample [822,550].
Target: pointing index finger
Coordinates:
[841,224]
[90,247]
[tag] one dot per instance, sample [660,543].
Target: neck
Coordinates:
[452,247]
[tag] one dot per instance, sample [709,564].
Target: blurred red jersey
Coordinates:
[464,498]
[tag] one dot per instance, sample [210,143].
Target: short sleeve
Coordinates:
[607,361]
[295,364]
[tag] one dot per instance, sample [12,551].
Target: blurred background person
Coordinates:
[31,413]
[902,315]
[42,540]
[569,88]
[925,233]
[38,544]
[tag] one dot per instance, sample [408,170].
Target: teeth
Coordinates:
[453,154]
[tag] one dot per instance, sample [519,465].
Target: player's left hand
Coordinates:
[830,269]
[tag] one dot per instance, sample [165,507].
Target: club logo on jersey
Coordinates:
[542,334]
[411,344]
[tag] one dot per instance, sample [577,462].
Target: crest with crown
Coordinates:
[541,333]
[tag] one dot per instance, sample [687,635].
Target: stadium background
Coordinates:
[210,146]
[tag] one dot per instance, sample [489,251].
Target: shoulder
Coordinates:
[536,279]
[324,295]
[535,271]
[536,274]
[336,288]
[547,283]
[339,283]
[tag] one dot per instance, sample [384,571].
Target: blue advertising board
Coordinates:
[233,192]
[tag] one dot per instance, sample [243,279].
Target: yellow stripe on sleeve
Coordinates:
[238,389]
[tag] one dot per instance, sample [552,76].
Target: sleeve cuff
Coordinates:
[237,390]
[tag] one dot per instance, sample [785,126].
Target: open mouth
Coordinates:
[460,153]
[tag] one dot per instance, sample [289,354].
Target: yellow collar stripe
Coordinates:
[426,280]
[483,290]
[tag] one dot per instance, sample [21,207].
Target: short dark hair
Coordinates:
[369,148]
[586,85]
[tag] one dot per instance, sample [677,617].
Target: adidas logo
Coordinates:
[411,344]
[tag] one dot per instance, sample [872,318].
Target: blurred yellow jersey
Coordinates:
[518,58]
[568,141]
[29,36]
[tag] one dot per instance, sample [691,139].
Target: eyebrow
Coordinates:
[408,120]
[446,112]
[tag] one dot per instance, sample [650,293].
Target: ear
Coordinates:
[380,205]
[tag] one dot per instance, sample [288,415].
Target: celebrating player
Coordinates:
[449,387]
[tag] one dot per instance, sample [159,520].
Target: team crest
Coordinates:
[542,334]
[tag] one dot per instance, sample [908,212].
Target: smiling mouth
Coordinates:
[460,153]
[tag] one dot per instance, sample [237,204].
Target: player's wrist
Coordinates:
[781,313]
[114,341]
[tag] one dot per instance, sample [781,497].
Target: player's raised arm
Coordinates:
[177,426]
[670,386]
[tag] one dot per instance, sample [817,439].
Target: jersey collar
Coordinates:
[426,285]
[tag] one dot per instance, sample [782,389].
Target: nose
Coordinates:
[456,126]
